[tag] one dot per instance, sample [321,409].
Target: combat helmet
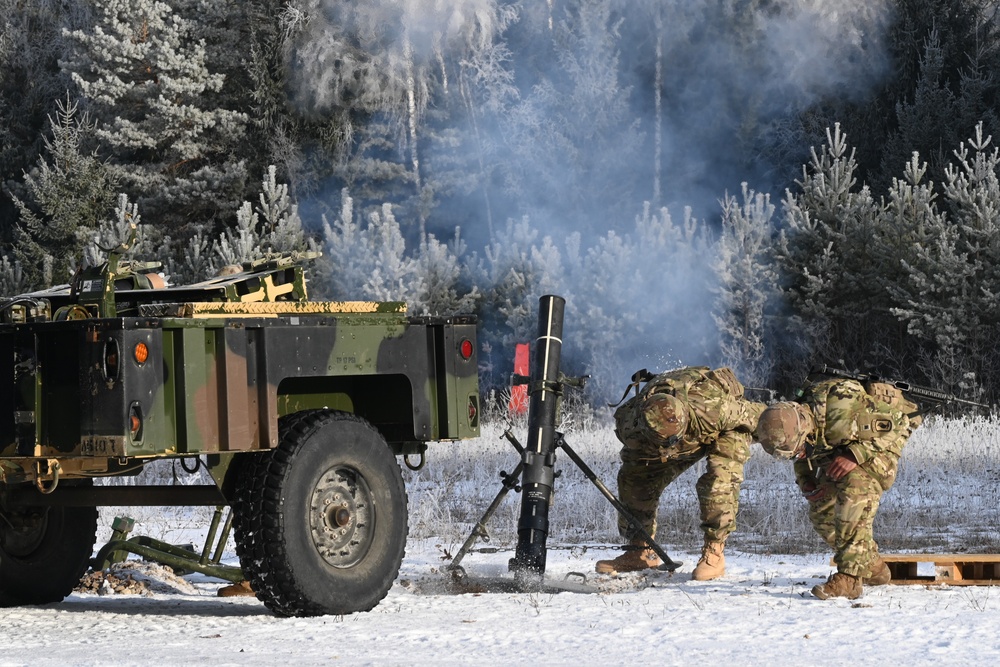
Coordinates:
[783,428]
[663,417]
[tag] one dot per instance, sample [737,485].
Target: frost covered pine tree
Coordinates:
[642,297]
[747,286]
[954,279]
[910,225]
[515,269]
[368,261]
[825,258]
[274,227]
[242,242]
[115,230]
[68,193]
[441,277]
[148,86]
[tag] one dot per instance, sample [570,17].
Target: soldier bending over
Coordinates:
[846,440]
[677,419]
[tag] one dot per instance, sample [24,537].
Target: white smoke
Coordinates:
[820,48]
[367,54]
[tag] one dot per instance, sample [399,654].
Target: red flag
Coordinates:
[519,393]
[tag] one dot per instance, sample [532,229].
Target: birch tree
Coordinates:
[388,59]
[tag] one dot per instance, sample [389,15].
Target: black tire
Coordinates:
[44,552]
[248,470]
[331,531]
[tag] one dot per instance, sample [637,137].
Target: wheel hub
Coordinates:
[342,517]
[21,533]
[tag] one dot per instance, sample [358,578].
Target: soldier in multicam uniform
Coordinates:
[846,440]
[677,419]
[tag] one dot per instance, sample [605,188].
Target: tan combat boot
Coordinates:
[712,563]
[839,585]
[242,589]
[641,557]
[880,574]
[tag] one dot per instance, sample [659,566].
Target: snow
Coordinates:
[760,613]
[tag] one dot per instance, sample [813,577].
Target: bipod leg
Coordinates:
[668,563]
[479,530]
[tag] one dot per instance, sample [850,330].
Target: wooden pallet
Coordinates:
[951,569]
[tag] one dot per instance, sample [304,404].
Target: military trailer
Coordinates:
[299,410]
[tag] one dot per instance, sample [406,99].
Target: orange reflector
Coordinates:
[141,352]
[134,424]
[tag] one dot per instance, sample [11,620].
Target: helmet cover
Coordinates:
[783,428]
[663,417]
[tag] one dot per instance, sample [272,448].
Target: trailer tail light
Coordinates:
[141,353]
[465,349]
[474,411]
[135,422]
[112,359]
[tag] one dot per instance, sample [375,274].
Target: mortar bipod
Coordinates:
[479,530]
[510,482]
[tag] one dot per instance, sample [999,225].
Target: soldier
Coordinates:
[846,440]
[678,418]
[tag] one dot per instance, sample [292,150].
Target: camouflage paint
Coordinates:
[219,374]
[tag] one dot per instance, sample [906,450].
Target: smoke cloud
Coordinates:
[589,109]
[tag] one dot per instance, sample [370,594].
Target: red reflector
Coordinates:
[465,349]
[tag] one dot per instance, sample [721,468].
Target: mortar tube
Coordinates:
[539,454]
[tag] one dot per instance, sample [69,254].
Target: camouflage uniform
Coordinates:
[719,427]
[850,419]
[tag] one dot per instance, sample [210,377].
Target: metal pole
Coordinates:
[539,454]
[669,564]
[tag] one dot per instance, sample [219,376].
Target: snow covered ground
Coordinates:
[760,613]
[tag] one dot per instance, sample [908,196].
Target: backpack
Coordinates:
[630,425]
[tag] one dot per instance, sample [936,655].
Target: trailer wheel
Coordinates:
[43,552]
[249,471]
[331,530]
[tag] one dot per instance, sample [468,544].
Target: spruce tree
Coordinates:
[747,286]
[68,194]
[149,88]
[31,43]
[825,257]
